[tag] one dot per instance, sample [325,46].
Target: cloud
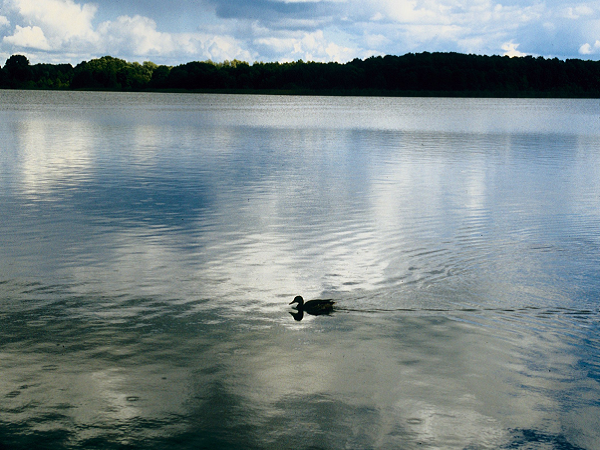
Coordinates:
[28,37]
[576,12]
[138,36]
[587,49]
[478,26]
[135,35]
[323,30]
[67,27]
[307,46]
[61,19]
[369,27]
[510,49]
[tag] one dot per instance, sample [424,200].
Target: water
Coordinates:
[150,245]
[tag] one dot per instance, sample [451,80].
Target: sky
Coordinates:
[178,31]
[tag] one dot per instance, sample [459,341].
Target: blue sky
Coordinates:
[178,31]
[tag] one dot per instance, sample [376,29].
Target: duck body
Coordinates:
[314,307]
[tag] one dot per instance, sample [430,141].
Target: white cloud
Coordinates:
[339,53]
[510,49]
[28,37]
[61,20]
[221,48]
[466,13]
[308,47]
[67,27]
[577,12]
[474,26]
[376,40]
[285,30]
[135,35]
[587,49]
[405,11]
[138,37]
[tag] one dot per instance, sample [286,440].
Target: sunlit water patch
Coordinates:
[150,245]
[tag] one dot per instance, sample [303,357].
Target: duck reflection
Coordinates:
[313,307]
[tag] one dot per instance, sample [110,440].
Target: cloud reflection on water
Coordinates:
[177,253]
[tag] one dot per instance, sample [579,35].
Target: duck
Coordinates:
[314,307]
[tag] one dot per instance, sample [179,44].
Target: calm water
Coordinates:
[150,245]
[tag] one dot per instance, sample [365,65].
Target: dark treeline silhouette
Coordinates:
[410,74]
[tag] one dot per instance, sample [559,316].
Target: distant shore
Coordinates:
[410,75]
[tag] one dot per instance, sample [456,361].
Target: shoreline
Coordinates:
[337,93]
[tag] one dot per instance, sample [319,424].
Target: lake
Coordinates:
[150,245]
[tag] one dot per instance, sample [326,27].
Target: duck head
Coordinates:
[298,299]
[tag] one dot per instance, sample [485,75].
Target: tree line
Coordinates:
[411,74]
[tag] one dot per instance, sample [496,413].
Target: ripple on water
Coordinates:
[150,245]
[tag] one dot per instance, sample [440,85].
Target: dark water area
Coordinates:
[150,245]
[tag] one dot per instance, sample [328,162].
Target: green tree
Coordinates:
[112,73]
[196,75]
[3,79]
[52,76]
[18,70]
[159,77]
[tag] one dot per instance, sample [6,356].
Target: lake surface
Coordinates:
[150,245]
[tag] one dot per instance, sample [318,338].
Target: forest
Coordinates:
[423,74]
